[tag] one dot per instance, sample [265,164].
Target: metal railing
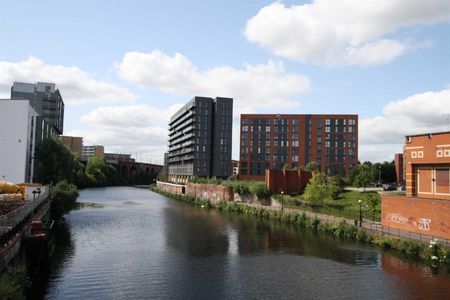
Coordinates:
[15,217]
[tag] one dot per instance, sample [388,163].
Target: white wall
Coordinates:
[15,137]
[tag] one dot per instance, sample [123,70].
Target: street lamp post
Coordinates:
[379,174]
[282,201]
[360,212]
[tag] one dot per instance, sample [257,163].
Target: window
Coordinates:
[327,144]
[327,121]
[294,143]
[267,128]
[327,128]
[295,158]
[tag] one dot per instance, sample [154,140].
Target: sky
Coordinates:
[124,67]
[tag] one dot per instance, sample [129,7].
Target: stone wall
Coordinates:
[177,189]
[418,215]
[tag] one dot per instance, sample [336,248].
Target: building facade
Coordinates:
[93,151]
[74,143]
[399,168]
[200,136]
[18,132]
[273,141]
[427,165]
[424,210]
[45,99]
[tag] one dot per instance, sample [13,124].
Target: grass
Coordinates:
[346,206]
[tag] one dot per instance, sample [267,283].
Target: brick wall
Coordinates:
[213,192]
[287,181]
[418,215]
[176,189]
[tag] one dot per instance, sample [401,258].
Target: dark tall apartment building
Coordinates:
[200,136]
[273,141]
[46,100]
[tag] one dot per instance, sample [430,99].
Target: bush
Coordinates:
[14,283]
[63,197]
[260,190]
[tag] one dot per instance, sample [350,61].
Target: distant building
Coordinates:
[427,165]
[91,151]
[45,99]
[398,163]
[114,158]
[74,143]
[271,141]
[235,166]
[200,136]
[17,141]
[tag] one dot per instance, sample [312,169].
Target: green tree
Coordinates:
[317,190]
[373,201]
[63,198]
[312,166]
[363,175]
[55,162]
[100,173]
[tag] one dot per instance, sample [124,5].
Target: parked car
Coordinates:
[389,187]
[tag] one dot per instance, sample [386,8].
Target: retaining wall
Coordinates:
[177,189]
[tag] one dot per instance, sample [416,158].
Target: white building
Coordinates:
[17,140]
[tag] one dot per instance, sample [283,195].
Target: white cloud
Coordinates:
[140,129]
[344,32]
[382,136]
[76,86]
[267,85]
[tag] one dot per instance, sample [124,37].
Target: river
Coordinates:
[141,245]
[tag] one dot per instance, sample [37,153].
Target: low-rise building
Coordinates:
[93,151]
[425,208]
[17,140]
[74,143]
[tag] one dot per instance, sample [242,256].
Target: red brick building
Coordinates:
[426,207]
[398,163]
[271,141]
[427,165]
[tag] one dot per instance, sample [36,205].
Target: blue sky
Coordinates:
[384,60]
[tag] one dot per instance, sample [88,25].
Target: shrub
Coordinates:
[14,283]
[260,190]
[63,197]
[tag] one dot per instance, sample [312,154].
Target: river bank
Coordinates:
[433,254]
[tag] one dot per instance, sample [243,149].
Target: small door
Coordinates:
[425,181]
[442,181]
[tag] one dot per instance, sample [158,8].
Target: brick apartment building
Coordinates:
[273,141]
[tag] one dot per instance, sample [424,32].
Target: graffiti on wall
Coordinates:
[424,223]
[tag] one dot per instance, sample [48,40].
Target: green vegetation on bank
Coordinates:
[13,284]
[57,163]
[434,254]
[346,205]
[63,197]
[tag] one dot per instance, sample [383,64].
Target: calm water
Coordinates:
[141,245]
